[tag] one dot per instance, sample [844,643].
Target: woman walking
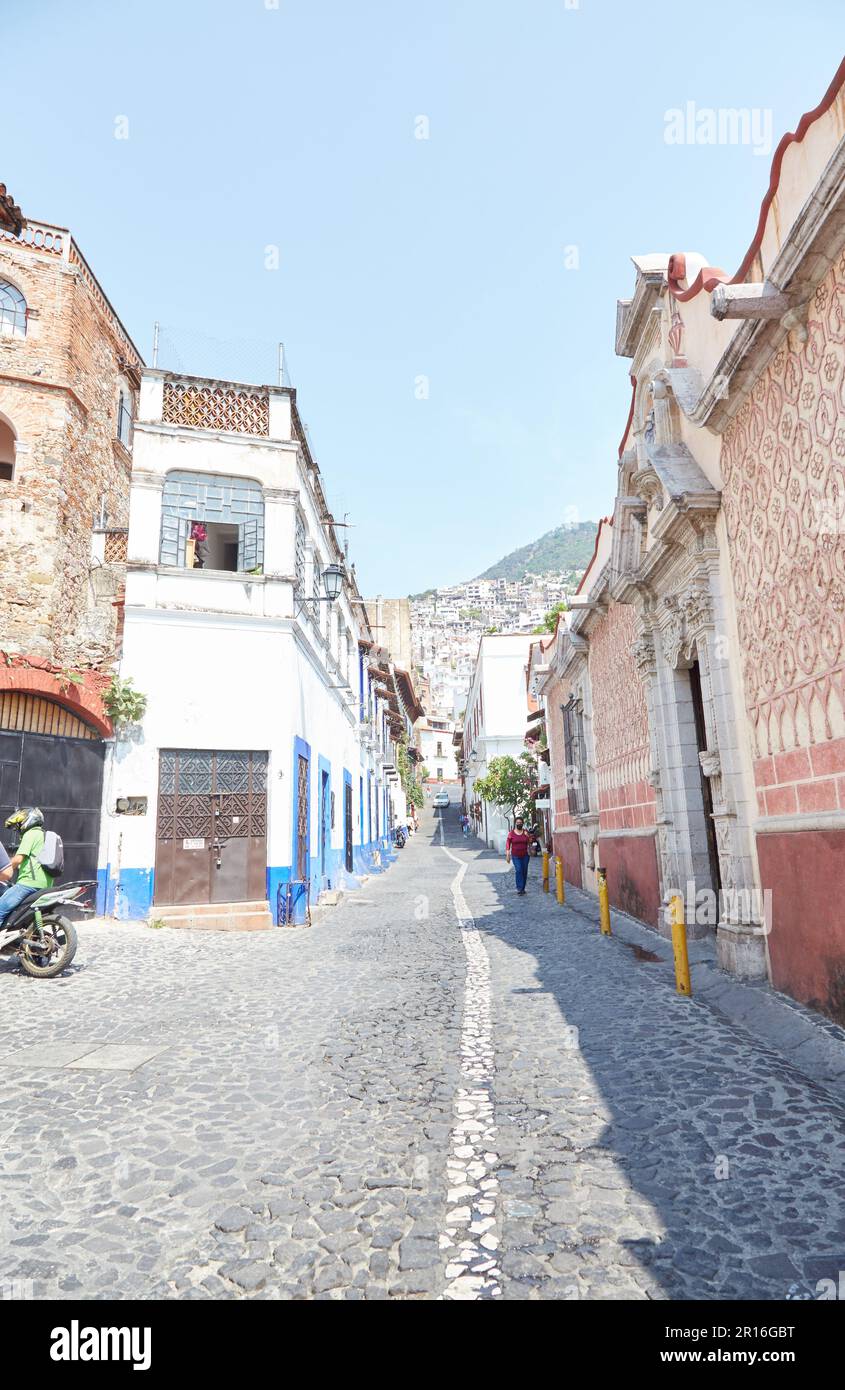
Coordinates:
[516,850]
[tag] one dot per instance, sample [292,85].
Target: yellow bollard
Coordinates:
[561,891]
[679,944]
[545,871]
[604,903]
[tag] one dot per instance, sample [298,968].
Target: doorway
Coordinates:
[301,851]
[324,823]
[51,759]
[347,824]
[211,834]
[706,790]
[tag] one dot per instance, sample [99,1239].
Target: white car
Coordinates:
[441,799]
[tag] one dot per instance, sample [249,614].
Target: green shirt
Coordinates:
[30,872]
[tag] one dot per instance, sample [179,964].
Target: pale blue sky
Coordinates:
[294,126]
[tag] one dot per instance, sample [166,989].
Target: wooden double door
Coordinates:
[211,832]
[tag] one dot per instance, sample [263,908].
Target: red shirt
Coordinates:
[518,842]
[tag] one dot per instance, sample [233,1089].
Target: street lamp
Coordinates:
[333,577]
[332,582]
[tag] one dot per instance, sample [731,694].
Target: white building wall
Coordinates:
[498,692]
[238,661]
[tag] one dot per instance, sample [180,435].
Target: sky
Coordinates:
[433,205]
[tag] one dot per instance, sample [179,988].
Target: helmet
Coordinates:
[25,819]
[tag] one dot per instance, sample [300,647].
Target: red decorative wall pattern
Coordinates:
[620,713]
[783,470]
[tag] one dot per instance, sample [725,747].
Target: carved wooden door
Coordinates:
[211,837]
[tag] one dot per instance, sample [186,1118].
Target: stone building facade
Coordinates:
[702,668]
[68,383]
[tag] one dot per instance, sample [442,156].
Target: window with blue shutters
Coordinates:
[212,522]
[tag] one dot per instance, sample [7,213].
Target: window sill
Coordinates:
[243,576]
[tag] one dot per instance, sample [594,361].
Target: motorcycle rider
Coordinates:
[32,876]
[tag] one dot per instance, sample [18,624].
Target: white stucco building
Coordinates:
[264,755]
[439,755]
[495,721]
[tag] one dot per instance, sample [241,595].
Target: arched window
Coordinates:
[212,522]
[7,451]
[12,311]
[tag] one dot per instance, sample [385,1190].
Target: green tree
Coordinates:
[509,784]
[548,623]
[408,774]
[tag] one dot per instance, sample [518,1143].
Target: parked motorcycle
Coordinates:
[41,935]
[399,837]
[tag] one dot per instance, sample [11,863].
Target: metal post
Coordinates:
[561,891]
[604,902]
[679,944]
[155,343]
[545,871]
[281,364]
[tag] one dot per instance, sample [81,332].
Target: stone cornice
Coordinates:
[253,441]
[631,314]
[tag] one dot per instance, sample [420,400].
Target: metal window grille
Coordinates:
[575,753]
[300,555]
[211,498]
[316,579]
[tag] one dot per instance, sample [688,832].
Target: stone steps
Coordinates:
[242,916]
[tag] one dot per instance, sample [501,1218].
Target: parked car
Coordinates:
[441,799]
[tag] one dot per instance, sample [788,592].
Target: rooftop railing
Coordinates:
[40,236]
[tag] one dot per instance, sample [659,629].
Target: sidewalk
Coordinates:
[813,1044]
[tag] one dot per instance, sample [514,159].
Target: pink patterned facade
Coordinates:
[783,468]
[703,663]
[620,724]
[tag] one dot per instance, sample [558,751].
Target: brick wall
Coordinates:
[59,390]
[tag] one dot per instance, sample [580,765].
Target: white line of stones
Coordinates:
[472,1270]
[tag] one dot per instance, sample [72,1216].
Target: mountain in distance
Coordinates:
[567,547]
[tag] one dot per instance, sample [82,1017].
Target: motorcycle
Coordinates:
[40,934]
[399,837]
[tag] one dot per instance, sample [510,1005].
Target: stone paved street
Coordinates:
[440,1090]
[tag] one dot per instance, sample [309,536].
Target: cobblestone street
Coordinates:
[440,1090]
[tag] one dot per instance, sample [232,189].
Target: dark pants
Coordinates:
[520,871]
